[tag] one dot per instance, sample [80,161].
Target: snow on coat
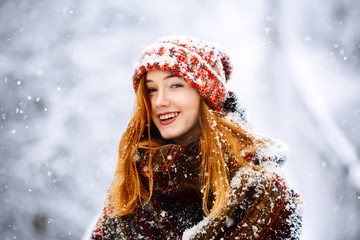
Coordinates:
[261,205]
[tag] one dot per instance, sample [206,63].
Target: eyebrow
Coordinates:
[169,76]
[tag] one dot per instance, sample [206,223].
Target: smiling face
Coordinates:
[174,106]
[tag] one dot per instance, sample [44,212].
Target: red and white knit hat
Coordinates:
[203,65]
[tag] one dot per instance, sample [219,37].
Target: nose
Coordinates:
[162,99]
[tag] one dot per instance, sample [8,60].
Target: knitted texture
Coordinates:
[203,65]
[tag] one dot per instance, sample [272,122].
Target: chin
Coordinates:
[168,135]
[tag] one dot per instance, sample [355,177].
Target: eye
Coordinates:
[151,90]
[177,85]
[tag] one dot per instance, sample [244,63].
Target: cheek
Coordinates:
[195,115]
[153,114]
[152,108]
[193,106]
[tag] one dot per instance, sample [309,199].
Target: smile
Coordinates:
[168,118]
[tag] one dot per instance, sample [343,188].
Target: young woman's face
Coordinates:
[174,106]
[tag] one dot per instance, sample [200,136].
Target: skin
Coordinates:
[174,106]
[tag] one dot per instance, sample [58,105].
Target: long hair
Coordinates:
[220,139]
[126,191]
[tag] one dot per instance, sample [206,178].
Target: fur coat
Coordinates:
[260,206]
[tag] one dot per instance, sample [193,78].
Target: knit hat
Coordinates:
[203,65]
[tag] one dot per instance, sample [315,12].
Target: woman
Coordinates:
[189,166]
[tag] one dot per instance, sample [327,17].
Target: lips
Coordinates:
[168,118]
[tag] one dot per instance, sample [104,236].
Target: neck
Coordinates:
[186,139]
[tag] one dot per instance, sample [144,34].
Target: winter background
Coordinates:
[66,97]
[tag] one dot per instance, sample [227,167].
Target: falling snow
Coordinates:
[66,98]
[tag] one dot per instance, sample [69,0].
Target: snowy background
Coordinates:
[66,97]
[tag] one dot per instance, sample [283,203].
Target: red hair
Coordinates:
[219,138]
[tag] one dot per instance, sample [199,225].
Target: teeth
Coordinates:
[167,116]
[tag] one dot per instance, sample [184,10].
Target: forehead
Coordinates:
[158,75]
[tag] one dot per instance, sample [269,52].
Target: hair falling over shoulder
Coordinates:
[220,138]
[126,191]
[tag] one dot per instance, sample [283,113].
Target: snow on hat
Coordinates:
[203,65]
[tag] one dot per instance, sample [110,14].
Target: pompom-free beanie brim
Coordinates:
[203,65]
